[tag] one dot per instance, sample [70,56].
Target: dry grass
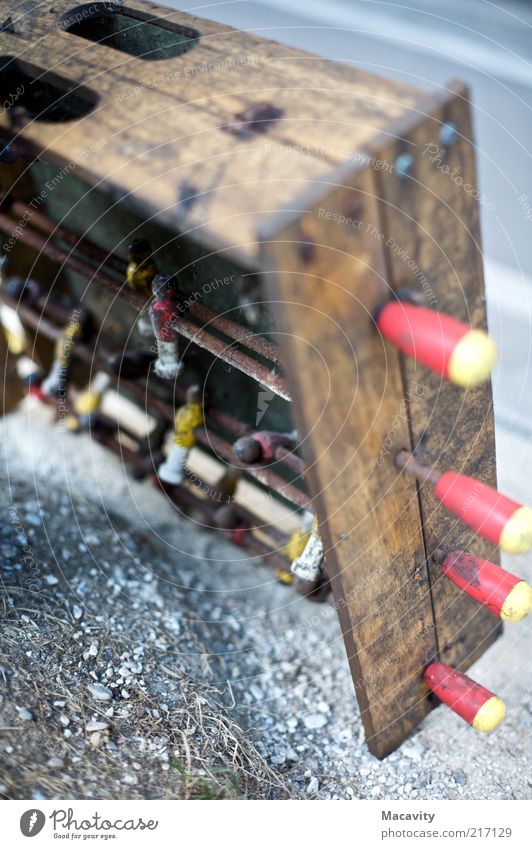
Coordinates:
[173,735]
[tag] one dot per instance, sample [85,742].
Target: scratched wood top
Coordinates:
[157,134]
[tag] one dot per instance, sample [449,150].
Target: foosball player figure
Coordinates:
[23,289]
[150,450]
[139,276]
[130,365]
[260,447]
[86,404]
[307,567]
[31,376]
[142,268]
[164,310]
[228,518]
[187,418]
[294,548]
[223,491]
[76,329]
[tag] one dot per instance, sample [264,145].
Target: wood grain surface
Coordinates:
[350,411]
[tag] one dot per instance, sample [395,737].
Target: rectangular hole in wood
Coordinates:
[42,95]
[129,31]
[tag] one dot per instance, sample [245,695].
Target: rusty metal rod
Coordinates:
[205,314]
[81,243]
[414,467]
[264,475]
[200,337]
[206,438]
[187,497]
[284,455]
[227,354]
[42,245]
[236,331]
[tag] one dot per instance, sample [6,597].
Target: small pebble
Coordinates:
[459,776]
[24,714]
[315,720]
[100,692]
[96,725]
[313,786]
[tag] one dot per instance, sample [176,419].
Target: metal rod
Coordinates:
[205,437]
[264,475]
[205,314]
[232,357]
[412,466]
[236,331]
[40,244]
[284,455]
[84,245]
[199,336]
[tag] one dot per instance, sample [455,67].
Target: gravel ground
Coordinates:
[209,689]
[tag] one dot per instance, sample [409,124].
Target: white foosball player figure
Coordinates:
[187,418]
[308,566]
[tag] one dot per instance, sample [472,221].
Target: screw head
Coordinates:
[403,165]
[448,134]
[353,206]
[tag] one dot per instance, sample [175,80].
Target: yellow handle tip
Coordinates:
[516,537]
[472,359]
[490,715]
[518,603]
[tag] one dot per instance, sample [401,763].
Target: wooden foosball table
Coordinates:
[257,276]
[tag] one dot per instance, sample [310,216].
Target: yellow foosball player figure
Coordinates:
[87,403]
[294,548]
[74,331]
[141,268]
[187,418]
[140,273]
[308,565]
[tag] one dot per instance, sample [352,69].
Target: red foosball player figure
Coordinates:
[164,310]
[308,565]
[187,418]
[260,447]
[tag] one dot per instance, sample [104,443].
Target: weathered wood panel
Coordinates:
[431,219]
[325,280]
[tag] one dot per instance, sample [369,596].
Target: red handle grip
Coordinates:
[443,344]
[494,516]
[474,703]
[504,594]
